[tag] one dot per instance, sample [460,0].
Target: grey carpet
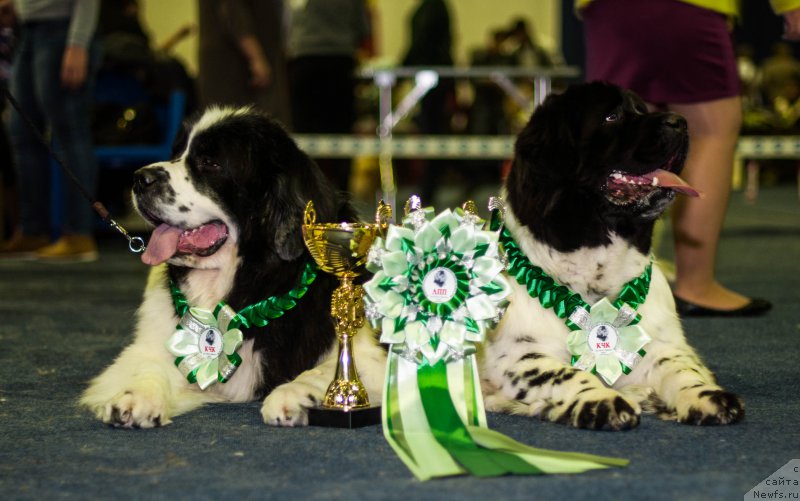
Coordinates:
[60,325]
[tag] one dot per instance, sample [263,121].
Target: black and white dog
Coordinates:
[592,172]
[228,210]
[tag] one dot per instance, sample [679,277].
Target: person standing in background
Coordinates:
[679,55]
[325,37]
[9,211]
[53,74]
[431,45]
[241,58]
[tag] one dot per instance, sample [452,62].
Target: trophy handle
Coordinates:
[497,204]
[412,204]
[383,215]
[311,214]
[469,207]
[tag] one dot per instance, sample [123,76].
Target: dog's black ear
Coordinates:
[300,182]
[288,237]
[285,211]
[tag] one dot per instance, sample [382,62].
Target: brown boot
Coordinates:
[23,246]
[70,249]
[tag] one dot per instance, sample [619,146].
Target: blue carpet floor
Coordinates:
[60,325]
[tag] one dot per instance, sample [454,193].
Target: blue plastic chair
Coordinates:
[125,90]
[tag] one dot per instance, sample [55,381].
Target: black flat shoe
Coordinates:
[754,308]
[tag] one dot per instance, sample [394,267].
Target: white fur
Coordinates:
[674,385]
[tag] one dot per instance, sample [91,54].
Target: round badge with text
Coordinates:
[440,285]
[210,343]
[603,338]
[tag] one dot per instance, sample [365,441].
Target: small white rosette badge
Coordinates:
[437,284]
[606,343]
[205,345]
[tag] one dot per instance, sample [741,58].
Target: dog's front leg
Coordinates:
[539,385]
[288,404]
[687,389]
[141,390]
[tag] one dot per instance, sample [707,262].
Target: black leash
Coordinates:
[135,244]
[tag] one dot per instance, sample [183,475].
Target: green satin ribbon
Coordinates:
[449,430]
[434,419]
[570,306]
[433,413]
[186,343]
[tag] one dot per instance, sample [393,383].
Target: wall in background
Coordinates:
[471,22]
[163,18]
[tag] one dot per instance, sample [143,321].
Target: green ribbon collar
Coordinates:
[205,342]
[606,338]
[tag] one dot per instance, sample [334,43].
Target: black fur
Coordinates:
[565,154]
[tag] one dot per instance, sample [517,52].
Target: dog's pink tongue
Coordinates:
[202,237]
[162,245]
[667,179]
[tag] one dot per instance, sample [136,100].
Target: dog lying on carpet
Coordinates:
[592,172]
[228,210]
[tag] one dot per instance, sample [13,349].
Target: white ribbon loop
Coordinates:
[205,348]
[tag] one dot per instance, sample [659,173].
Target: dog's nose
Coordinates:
[146,177]
[675,121]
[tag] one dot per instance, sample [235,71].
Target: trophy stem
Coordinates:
[347,308]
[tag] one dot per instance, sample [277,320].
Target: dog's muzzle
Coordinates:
[149,179]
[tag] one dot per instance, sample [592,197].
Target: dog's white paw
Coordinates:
[140,407]
[288,405]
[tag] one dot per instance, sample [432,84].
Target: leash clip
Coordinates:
[135,244]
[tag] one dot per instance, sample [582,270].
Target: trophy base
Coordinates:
[337,418]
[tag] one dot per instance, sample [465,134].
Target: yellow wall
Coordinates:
[471,22]
[162,18]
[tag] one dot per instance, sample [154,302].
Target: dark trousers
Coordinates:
[36,83]
[322,90]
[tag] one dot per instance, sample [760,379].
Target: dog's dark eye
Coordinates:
[612,117]
[208,164]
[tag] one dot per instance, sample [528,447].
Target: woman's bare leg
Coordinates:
[697,222]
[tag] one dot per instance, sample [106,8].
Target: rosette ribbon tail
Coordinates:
[435,420]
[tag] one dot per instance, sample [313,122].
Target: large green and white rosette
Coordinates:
[437,287]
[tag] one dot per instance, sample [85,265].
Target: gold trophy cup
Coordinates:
[341,249]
